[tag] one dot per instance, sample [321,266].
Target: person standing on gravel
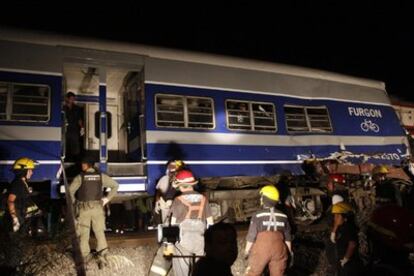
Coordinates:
[163,200]
[269,237]
[165,192]
[346,257]
[86,191]
[191,212]
[18,207]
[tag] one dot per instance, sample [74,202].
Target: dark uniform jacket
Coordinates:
[87,186]
[268,220]
[20,189]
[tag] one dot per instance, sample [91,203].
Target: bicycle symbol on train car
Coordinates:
[368,125]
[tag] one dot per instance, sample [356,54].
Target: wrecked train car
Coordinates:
[236,123]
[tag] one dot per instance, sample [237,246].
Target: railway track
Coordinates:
[131,240]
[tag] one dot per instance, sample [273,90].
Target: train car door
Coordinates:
[134,119]
[92,125]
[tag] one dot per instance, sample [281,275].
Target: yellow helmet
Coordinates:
[270,192]
[341,208]
[178,164]
[380,169]
[24,163]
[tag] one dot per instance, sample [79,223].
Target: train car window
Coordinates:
[30,103]
[238,115]
[4,91]
[307,119]
[24,102]
[200,112]
[184,111]
[251,116]
[264,117]
[296,119]
[169,111]
[319,119]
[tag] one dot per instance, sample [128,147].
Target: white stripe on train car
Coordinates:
[227,162]
[128,177]
[44,162]
[32,72]
[214,138]
[132,187]
[262,92]
[30,133]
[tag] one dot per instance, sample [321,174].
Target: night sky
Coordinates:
[367,40]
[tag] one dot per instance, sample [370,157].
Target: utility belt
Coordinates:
[383,200]
[89,204]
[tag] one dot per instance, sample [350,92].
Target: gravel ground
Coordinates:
[309,260]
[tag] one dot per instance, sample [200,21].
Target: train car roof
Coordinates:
[51,39]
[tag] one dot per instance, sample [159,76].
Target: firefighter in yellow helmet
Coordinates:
[18,203]
[269,237]
[344,256]
[19,194]
[385,191]
[165,191]
[164,197]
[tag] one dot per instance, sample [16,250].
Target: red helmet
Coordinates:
[337,178]
[184,177]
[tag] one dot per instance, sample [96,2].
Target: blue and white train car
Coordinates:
[144,105]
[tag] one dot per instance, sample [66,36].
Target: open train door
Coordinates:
[134,120]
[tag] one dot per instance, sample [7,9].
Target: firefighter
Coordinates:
[164,198]
[385,191]
[86,191]
[269,237]
[19,205]
[165,191]
[191,212]
[346,241]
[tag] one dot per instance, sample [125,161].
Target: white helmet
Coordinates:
[336,199]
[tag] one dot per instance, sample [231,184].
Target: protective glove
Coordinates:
[168,249]
[343,261]
[82,131]
[246,255]
[292,260]
[105,201]
[332,237]
[16,224]
[157,208]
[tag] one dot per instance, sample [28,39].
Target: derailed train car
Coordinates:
[236,123]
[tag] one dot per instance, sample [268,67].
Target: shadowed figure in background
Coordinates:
[220,245]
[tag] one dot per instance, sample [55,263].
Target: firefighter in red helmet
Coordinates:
[191,212]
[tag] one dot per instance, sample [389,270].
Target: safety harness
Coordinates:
[199,208]
[272,220]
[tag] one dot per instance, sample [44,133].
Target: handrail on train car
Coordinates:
[79,261]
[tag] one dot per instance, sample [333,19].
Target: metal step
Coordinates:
[114,169]
[126,169]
